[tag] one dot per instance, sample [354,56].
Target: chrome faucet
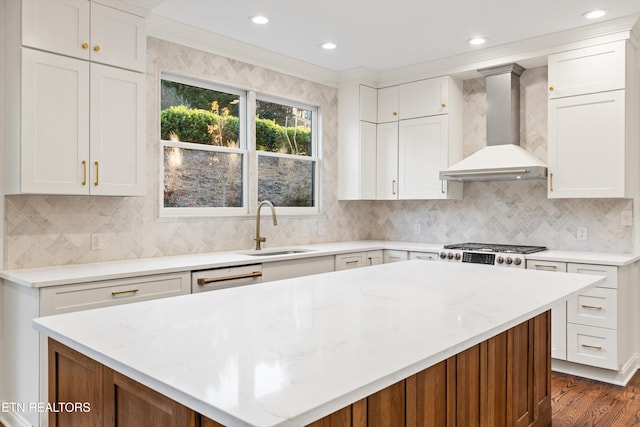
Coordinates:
[259,239]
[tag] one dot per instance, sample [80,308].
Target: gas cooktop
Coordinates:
[491,247]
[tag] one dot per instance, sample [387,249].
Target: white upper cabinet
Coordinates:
[85,30]
[593,127]
[423,98]
[388,104]
[368,104]
[589,70]
[387,162]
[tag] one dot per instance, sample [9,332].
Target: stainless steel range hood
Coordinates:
[502,158]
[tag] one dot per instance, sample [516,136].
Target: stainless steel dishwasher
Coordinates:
[225,277]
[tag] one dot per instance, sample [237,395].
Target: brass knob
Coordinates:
[443,105]
[395,113]
[551,88]
[85,45]
[96,48]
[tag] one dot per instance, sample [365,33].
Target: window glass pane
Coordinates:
[198,178]
[286,182]
[283,129]
[199,115]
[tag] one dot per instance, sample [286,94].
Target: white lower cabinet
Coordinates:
[374,258]
[592,346]
[279,270]
[558,312]
[391,255]
[425,256]
[27,349]
[358,259]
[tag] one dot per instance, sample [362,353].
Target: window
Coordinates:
[286,149]
[210,168]
[204,149]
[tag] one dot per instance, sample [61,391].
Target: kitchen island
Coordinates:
[358,344]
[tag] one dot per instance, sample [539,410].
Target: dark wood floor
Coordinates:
[581,402]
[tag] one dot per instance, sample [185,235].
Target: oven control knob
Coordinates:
[450,255]
[517,261]
[509,260]
[458,256]
[443,255]
[500,260]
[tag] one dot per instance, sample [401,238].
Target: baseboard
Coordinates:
[621,377]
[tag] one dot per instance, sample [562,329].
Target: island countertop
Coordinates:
[287,353]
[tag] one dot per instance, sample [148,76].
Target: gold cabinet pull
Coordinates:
[370,261]
[395,113]
[393,187]
[97,174]
[551,88]
[442,186]
[551,182]
[595,347]
[352,262]
[130,291]
[84,173]
[591,307]
[443,105]
[204,281]
[96,48]
[85,45]
[545,267]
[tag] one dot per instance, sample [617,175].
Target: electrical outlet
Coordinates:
[96,241]
[581,233]
[626,218]
[416,229]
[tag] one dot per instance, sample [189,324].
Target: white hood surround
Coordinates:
[502,158]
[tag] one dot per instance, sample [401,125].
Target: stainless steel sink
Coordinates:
[273,252]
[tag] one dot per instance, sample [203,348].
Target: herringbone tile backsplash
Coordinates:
[55,230]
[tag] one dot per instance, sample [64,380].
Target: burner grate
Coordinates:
[491,247]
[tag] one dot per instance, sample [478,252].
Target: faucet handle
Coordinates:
[261,239]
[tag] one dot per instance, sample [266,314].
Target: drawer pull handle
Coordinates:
[204,281]
[352,262]
[130,291]
[545,267]
[591,307]
[370,261]
[595,347]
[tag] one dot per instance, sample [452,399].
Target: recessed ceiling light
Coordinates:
[259,19]
[477,41]
[329,46]
[595,14]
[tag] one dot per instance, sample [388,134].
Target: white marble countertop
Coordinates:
[585,257]
[293,351]
[91,272]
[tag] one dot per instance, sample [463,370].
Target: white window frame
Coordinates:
[189,212]
[315,151]
[246,148]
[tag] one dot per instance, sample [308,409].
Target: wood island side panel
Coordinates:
[504,381]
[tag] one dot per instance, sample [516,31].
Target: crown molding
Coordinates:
[529,53]
[176,32]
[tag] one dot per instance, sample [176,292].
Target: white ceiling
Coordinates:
[382,35]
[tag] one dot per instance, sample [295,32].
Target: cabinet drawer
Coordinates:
[395,256]
[592,346]
[347,261]
[64,299]
[596,307]
[560,267]
[611,273]
[427,256]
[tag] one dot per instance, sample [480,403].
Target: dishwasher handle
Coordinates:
[204,280]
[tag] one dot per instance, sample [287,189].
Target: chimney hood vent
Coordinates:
[502,158]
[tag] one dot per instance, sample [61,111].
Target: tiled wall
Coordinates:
[55,230]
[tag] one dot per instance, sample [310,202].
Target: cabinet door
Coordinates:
[368,136]
[348,261]
[368,104]
[60,26]
[117,131]
[558,312]
[423,153]
[387,162]
[118,38]
[423,98]
[587,146]
[590,70]
[54,124]
[395,256]
[375,258]
[388,104]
